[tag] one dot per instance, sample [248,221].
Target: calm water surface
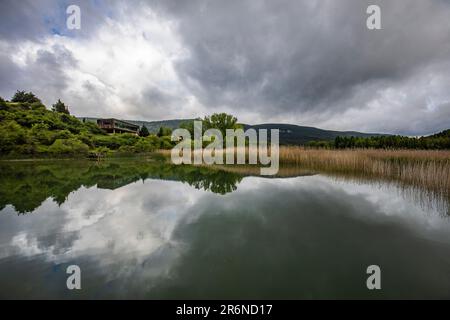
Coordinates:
[154,231]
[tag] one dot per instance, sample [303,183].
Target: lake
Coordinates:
[149,230]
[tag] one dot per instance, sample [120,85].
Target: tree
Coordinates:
[22,96]
[164,131]
[2,104]
[59,106]
[221,121]
[143,131]
[189,125]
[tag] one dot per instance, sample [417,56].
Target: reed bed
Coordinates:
[421,168]
[428,169]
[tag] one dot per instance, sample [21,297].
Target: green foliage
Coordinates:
[2,104]
[12,135]
[320,144]
[144,145]
[189,126]
[166,143]
[59,106]
[37,106]
[437,141]
[71,146]
[94,128]
[221,121]
[41,135]
[29,129]
[22,96]
[164,131]
[143,132]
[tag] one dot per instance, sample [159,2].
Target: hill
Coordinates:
[29,129]
[291,134]
[153,126]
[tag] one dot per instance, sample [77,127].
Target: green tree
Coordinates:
[2,104]
[59,106]
[143,132]
[221,121]
[189,125]
[22,96]
[164,131]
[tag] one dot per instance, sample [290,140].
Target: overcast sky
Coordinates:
[293,61]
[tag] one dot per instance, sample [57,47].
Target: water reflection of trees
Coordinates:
[25,185]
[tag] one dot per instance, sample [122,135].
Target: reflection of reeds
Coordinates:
[283,172]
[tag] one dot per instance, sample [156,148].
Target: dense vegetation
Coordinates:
[29,129]
[439,141]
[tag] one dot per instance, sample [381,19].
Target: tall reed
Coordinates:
[422,168]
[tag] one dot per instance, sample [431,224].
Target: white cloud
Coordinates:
[115,68]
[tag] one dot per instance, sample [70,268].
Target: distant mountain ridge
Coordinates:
[290,134]
[153,126]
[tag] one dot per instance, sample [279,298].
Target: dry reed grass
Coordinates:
[421,168]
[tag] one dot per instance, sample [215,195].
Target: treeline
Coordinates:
[439,141]
[29,129]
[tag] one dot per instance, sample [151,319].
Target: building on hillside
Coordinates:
[117,126]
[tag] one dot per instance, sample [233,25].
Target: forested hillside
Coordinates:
[29,129]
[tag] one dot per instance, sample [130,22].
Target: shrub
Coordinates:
[37,106]
[39,132]
[166,143]
[11,135]
[70,146]
[144,145]
[94,128]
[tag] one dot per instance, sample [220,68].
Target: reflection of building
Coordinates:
[117,126]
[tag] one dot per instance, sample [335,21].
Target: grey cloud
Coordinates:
[21,19]
[302,56]
[44,73]
[306,62]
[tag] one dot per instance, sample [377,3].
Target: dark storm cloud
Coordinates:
[293,56]
[304,62]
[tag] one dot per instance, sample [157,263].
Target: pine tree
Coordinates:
[143,131]
[60,107]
